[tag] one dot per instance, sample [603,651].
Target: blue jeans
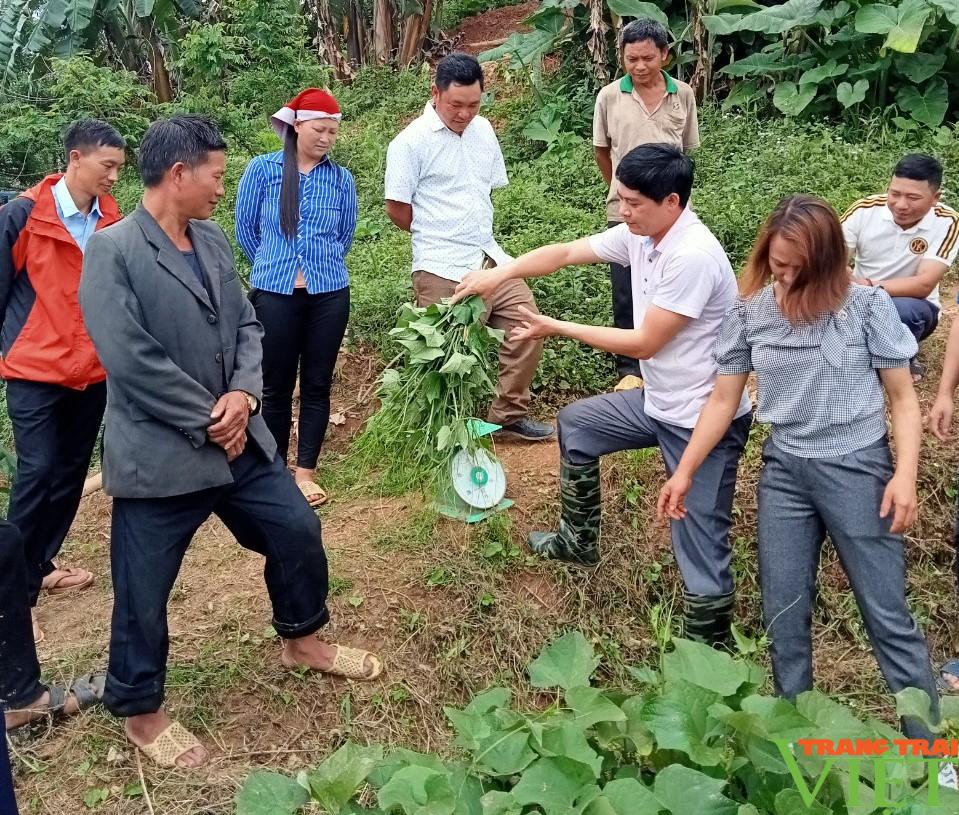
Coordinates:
[265,512]
[610,422]
[919,315]
[801,500]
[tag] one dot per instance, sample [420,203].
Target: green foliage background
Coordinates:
[745,164]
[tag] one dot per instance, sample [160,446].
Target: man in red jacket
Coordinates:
[55,385]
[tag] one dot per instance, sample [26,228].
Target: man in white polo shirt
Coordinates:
[440,172]
[905,241]
[682,285]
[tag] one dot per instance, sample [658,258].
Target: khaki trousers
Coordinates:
[517,360]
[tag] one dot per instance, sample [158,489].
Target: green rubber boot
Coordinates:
[577,540]
[708,619]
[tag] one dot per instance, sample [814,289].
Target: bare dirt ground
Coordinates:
[491,28]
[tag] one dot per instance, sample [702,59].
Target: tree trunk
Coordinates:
[598,36]
[162,86]
[415,29]
[356,36]
[701,79]
[384,31]
[325,38]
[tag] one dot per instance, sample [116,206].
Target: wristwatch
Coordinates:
[253,403]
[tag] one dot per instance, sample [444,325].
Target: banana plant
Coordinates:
[139,34]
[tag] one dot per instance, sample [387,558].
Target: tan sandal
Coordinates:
[53,587]
[315,495]
[350,662]
[172,743]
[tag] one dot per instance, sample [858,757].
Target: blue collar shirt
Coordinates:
[80,226]
[328,210]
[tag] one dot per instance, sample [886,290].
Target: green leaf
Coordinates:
[95,796]
[828,70]
[744,94]
[552,783]
[679,720]
[782,17]
[644,674]
[701,665]
[683,790]
[566,663]
[723,24]
[902,26]
[951,9]
[627,796]
[949,708]
[266,793]
[506,754]
[747,809]
[418,790]
[471,727]
[637,8]
[832,720]
[790,802]
[591,706]
[762,64]
[792,99]
[927,106]
[458,364]
[920,67]
[443,437]
[335,780]
[849,95]
[779,717]
[568,740]
[489,700]
[914,703]
[500,803]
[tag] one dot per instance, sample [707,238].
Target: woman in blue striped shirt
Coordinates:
[295,217]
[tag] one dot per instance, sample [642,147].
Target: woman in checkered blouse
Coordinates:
[826,354]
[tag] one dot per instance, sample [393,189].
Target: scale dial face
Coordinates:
[478,478]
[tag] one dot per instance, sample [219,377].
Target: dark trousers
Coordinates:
[54,430]
[622,284]
[19,670]
[301,330]
[798,507]
[8,803]
[611,422]
[919,315]
[265,511]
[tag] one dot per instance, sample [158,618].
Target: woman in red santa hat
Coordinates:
[295,217]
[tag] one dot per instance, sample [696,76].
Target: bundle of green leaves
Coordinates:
[430,392]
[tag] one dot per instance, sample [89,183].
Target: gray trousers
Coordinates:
[801,501]
[611,422]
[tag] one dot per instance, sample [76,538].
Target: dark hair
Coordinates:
[460,69]
[184,138]
[89,134]
[642,30]
[656,171]
[920,167]
[822,284]
[290,186]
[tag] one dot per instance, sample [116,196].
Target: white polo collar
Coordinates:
[927,222]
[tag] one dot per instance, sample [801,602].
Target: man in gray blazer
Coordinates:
[183,435]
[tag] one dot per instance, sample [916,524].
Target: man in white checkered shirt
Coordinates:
[904,241]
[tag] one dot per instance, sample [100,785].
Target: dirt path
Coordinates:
[493,27]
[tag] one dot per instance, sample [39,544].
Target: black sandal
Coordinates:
[88,692]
